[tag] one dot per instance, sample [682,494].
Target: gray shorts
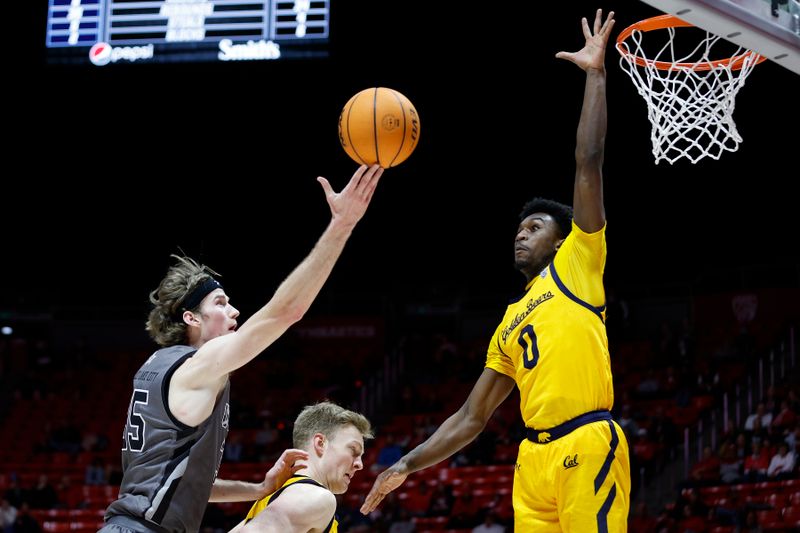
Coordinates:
[129,524]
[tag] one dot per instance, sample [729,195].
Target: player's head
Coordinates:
[189,306]
[543,226]
[334,438]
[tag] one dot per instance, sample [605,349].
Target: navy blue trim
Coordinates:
[596,310]
[602,514]
[567,427]
[517,298]
[603,473]
[500,348]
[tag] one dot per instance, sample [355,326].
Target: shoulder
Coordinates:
[305,503]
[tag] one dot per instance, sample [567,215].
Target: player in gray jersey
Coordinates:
[178,415]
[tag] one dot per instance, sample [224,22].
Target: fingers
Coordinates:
[372,183]
[565,55]
[609,23]
[587,34]
[598,21]
[358,175]
[291,455]
[369,180]
[372,500]
[325,186]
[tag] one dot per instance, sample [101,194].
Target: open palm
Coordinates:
[592,55]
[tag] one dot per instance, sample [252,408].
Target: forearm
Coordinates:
[593,123]
[227,490]
[455,433]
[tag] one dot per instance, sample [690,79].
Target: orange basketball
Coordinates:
[379,125]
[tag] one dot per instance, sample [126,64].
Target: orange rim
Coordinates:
[670,21]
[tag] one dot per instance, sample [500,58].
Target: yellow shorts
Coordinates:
[578,483]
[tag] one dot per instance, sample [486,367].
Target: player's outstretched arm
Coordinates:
[457,431]
[195,384]
[589,212]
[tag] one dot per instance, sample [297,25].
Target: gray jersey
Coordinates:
[168,467]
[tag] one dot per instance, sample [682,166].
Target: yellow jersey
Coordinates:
[552,341]
[261,504]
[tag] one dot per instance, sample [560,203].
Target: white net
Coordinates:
[690,97]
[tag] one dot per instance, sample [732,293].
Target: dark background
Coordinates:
[112,169]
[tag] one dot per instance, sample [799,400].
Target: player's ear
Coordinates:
[319,442]
[559,243]
[190,318]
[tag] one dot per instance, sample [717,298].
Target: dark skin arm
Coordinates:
[457,431]
[589,213]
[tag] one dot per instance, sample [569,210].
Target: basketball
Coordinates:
[379,125]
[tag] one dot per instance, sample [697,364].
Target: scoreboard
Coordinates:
[139,31]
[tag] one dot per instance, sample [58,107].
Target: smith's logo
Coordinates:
[544,437]
[571,462]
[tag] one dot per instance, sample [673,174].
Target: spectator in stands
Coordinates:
[730,466]
[179,413]
[627,423]
[43,495]
[441,502]
[403,523]
[793,439]
[764,418]
[691,523]
[8,515]
[419,499]
[551,346]
[69,496]
[333,438]
[15,494]
[760,433]
[265,438]
[756,464]
[389,454]
[785,418]
[489,525]
[464,514]
[741,446]
[750,524]
[782,463]
[641,519]
[706,470]
[25,523]
[649,384]
[95,473]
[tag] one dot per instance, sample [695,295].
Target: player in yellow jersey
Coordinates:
[334,439]
[572,472]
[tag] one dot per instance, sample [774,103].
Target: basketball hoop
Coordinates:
[690,97]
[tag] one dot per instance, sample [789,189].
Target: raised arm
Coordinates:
[457,431]
[589,212]
[195,385]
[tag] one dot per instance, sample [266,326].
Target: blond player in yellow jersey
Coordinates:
[333,437]
[572,472]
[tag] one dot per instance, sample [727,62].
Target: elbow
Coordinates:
[293,314]
[590,155]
